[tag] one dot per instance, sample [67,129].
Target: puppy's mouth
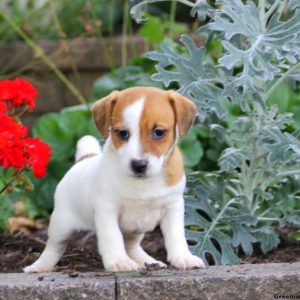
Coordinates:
[139,176]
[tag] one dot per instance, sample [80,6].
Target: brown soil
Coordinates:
[18,251]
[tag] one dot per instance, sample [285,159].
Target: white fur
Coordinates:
[96,194]
[87,145]
[132,149]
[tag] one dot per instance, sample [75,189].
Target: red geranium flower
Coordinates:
[3,107]
[11,135]
[38,156]
[18,92]
[17,150]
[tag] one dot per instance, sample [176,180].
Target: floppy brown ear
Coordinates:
[102,111]
[185,111]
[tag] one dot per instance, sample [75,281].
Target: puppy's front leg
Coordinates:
[172,226]
[111,243]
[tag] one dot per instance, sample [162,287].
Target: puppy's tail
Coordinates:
[87,147]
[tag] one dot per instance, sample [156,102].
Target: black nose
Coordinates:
[139,166]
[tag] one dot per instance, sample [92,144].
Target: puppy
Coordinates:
[136,183]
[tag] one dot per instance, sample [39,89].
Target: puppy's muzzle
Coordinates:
[139,166]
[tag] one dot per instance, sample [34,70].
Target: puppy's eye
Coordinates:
[158,134]
[123,134]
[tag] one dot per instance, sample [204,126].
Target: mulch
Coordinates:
[19,250]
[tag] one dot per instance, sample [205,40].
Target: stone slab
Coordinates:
[56,286]
[253,282]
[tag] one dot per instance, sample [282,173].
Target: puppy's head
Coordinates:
[142,123]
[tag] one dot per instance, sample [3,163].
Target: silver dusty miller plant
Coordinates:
[258,182]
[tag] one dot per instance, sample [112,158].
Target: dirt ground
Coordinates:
[18,250]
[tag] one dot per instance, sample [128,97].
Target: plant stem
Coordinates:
[188,3]
[279,81]
[63,38]
[11,180]
[111,18]
[232,190]
[272,9]
[103,43]
[39,52]
[262,7]
[288,173]
[214,224]
[172,17]
[124,33]
[132,41]
[267,219]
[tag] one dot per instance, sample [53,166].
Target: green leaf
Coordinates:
[281,97]
[152,30]
[192,152]
[231,158]
[265,46]
[280,146]
[267,237]
[121,79]
[207,207]
[196,77]
[6,208]
[295,236]
[191,147]
[61,131]
[138,11]
[201,9]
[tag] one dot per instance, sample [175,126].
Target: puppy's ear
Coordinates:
[102,111]
[185,111]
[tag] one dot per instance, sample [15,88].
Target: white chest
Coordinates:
[139,216]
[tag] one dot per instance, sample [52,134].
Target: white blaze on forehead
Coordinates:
[131,116]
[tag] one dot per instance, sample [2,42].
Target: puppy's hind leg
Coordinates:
[59,232]
[136,252]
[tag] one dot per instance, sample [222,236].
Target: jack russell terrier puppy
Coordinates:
[135,184]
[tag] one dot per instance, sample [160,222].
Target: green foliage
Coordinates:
[120,79]
[37,18]
[258,181]
[7,209]
[295,236]
[6,203]
[152,30]
[191,147]
[156,28]
[287,99]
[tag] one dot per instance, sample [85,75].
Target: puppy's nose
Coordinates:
[139,166]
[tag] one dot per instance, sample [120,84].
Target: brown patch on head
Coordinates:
[108,113]
[102,112]
[157,114]
[185,111]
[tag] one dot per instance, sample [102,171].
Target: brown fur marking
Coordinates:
[174,168]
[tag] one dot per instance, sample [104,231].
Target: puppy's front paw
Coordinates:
[153,265]
[186,261]
[122,264]
[37,268]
